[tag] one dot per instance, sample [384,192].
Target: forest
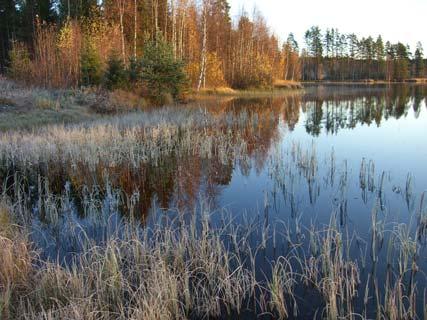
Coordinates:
[175,45]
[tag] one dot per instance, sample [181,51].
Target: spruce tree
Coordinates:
[91,72]
[115,75]
[161,72]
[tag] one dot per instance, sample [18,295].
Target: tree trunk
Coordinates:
[135,25]
[121,13]
[287,64]
[155,9]
[202,77]
[173,27]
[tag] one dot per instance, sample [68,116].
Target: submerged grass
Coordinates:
[186,269]
[193,264]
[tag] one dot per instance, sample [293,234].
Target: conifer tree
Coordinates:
[419,60]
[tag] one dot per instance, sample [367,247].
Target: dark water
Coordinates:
[333,153]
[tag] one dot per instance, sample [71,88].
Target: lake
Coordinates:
[336,171]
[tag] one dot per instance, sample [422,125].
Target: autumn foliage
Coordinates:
[76,49]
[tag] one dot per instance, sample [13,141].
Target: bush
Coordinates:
[118,101]
[47,102]
[20,63]
[134,71]
[115,75]
[161,72]
[91,72]
[259,76]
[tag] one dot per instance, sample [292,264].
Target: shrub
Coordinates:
[115,75]
[259,76]
[46,101]
[161,72]
[91,72]
[125,100]
[133,71]
[20,63]
[118,101]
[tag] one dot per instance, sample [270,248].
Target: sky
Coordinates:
[395,20]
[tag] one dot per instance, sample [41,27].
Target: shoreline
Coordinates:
[373,82]
[29,108]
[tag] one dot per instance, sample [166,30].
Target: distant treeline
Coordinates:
[64,43]
[335,56]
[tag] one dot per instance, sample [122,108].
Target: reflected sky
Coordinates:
[334,153]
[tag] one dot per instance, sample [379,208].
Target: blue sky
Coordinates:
[395,20]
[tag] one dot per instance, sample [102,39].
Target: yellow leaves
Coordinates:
[215,75]
[19,61]
[214,72]
[66,36]
[192,71]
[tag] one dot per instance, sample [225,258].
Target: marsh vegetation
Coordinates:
[274,207]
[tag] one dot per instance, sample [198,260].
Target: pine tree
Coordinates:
[328,43]
[76,8]
[379,57]
[313,38]
[419,61]
[46,11]
[8,26]
[401,67]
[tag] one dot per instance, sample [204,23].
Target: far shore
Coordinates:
[368,81]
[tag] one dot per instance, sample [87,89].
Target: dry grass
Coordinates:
[16,258]
[167,272]
[47,103]
[416,80]
[288,90]
[184,269]
[28,108]
[287,84]
[6,102]
[118,101]
[190,267]
[217,91]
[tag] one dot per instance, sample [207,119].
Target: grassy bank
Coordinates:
[279,88]
[23,107]
[28,108]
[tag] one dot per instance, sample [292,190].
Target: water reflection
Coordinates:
[179,179]
[295,159]
[334,109]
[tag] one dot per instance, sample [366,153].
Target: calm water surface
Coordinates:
[334,153]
